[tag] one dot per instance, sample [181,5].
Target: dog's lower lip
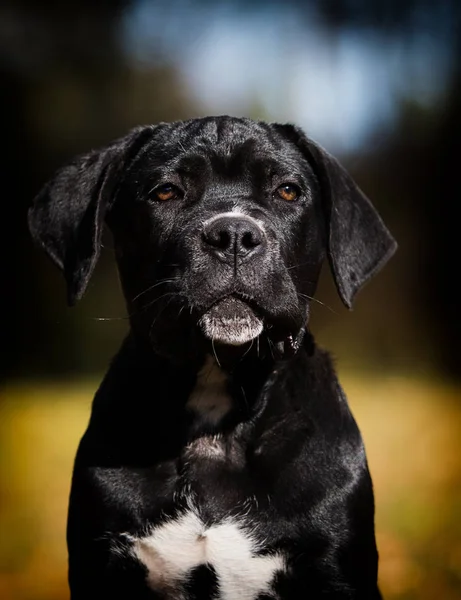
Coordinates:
[232,321]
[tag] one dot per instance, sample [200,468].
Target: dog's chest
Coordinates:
[212,458]
[230,552]
[215,525]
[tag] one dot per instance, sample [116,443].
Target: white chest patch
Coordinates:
[173,549]
[210,398]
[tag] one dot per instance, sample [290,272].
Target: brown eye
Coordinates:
[288,192]
[166,192]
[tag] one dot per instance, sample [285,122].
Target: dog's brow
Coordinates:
[192,164]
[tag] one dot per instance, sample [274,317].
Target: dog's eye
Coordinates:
[288,192]
[165,192]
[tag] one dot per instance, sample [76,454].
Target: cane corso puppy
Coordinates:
[221,460]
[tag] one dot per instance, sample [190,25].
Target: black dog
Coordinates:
[221,460]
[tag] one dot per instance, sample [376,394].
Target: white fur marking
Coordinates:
[174,548]
[241,575]
[236,213]
[171,550]
[210,398]
[233,332]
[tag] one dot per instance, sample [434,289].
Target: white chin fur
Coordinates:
[231,331]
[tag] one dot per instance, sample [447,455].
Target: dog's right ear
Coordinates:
[358,242]
[67,216]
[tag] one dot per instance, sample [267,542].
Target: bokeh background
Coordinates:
[379,85]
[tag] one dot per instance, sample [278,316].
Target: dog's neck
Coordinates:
[148,406]
[246,367]
[146,378]
[258,357]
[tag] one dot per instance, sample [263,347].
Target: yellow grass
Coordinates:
[412,432]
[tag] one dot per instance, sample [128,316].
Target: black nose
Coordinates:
[232,237]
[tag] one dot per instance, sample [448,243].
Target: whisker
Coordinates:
[298,265]
[142,308]
[149,304]
[271,345]
[318,302]
[136,312]
[214,352]
[244,397]
[154,286]
[246,351]
[159,314]
[109,318]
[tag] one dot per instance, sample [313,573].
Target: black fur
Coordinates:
[294,456]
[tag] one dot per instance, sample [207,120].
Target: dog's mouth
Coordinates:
[231,321]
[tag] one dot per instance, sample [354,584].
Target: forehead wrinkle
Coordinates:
[235,160]
[241,168]
[196,147]
[192,164]
[231,190]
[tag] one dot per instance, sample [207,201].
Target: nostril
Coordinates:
[218,238]
[250,240]
[222,240]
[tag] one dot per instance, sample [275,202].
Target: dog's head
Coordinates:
[220,228]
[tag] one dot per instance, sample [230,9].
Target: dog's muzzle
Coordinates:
[233,239]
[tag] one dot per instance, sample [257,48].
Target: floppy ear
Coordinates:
[358,242]
[67,216]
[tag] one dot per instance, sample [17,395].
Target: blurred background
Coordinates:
[379,85]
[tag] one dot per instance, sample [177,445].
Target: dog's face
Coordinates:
[220,228]
[218,221]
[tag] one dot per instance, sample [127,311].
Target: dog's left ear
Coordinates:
[358,242]
[67,216]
